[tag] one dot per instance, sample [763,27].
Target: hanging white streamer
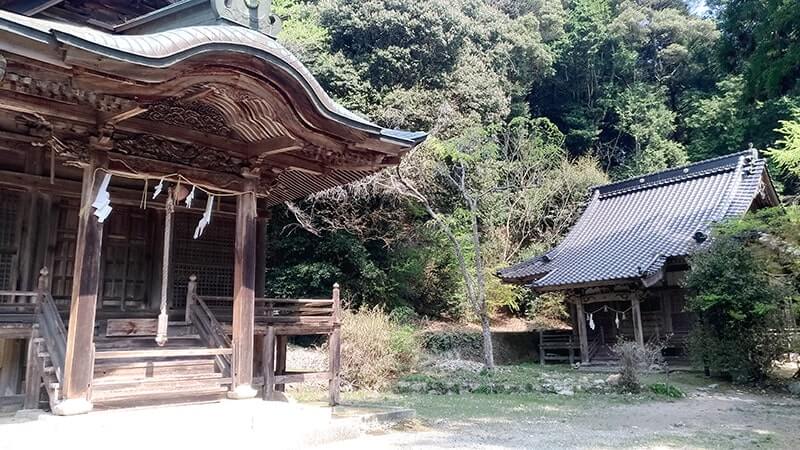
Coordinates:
[158,188]
[102,203]
[206,219]
[616,320]
[190,197]
[591,321]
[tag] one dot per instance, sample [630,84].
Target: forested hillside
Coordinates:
[529,102]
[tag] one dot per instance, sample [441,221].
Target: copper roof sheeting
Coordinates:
[629,229]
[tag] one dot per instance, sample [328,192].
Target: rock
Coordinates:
[566,391]
[599,382]
[794,388]
[712,386]
[614,379]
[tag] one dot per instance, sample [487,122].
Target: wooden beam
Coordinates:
[273,146]
[79,361]
[117,117]
[244,280]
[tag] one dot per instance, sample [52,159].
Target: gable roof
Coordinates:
[630,228]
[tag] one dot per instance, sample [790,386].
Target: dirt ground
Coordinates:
[724,420]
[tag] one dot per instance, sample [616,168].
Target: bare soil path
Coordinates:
[724,420]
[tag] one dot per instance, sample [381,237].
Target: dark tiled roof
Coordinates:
[629,229]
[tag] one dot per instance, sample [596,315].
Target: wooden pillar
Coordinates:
[191,291]
[334,349]
[268,362]
[244,279]
[637,320]
[282,343]
[79,361]
[261,256]
[580,317]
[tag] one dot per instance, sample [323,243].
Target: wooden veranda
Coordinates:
[138,165]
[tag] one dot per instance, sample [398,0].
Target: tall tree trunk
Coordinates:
[480,301]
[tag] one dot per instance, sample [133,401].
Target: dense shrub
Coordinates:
[666,390]
[403,315]
[741,287]
[460,344]
[376,350]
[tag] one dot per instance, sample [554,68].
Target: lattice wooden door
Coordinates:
[9,238]
[210,257]
[126,262]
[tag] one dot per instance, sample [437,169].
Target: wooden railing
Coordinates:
[18,307]
[280,312]
[54,333]
[208,327]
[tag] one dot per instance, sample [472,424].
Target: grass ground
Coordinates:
[722,416]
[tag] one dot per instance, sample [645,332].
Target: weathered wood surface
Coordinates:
[161,353]
[86,278]
[268,362]
[584,340]
[131,327]
[244,279]
[33,372]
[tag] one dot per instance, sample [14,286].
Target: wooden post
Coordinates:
[191,291]
[541,348]
[581,319]
[163,316]
[637,320]
[334,349]
[79,368]
[282,342]
[268,362]
[244,279]
[261,256]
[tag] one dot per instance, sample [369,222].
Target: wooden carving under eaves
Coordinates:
[62,92]
[152,147]
[195,114]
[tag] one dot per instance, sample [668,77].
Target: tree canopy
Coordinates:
[533,101]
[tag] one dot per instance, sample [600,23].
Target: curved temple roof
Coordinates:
[629,229]
[169,48]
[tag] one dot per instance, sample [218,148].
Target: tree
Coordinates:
[761,39]
[742,287]
[786,153]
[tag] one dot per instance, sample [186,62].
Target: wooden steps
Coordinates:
[134,370]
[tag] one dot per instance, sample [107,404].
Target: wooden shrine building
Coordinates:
[621,265]
[141,146]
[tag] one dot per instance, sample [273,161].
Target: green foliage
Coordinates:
[451,341]
[375,350]
[667,390]
[741,286]
[761,39]
[403,315]
[786,153]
